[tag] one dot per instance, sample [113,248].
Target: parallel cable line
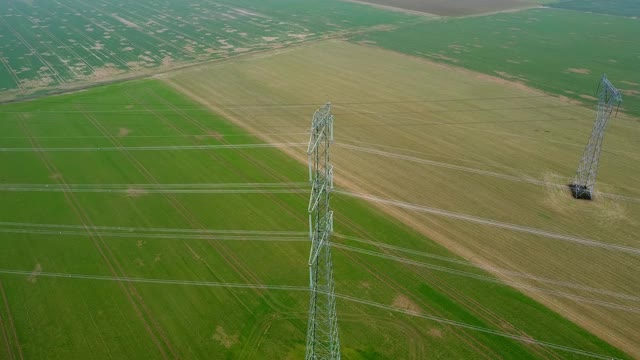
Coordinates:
[154,148]
[349,298]
[162,186]
[218,237]
[237,235]
[491,279]
[487,268]
[155,281]
[140,229]
[159,191]
[315,104]
[353,111]
[158,136]
[471,170]
[520,338]
[494,223]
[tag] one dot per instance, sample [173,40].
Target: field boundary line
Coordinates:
[5,337]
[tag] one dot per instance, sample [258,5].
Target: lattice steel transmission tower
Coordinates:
[608,98]
[323,342]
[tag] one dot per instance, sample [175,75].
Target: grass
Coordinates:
[48,44]
[75,318]
[547,49]
[454,140]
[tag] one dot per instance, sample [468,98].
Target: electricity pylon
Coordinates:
[323,342]
[608,98]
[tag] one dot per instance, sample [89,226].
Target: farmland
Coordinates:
[548,49]
[154,180]
[453,8]
[484,162]
[629,8]
[48,45]
[124,226]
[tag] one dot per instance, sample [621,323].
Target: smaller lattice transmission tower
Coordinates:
[323,342]
[609,98]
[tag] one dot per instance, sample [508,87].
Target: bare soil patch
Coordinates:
[403,302]
[436,333]
[103,73]
[630,92]
[579,71]
[216,135]
[136,192]
[122,132]
[223,338]
[588,97]
[36,83]
[32,278]
[126,22]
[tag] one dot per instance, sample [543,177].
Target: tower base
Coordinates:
[581,192]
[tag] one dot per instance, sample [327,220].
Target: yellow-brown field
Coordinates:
[486,161]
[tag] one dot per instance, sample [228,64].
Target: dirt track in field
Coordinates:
[409,107]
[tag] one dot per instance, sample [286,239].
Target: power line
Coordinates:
[473,170]
[310,104]
[140,192]
[494,223]
[524,339]
[221,237]
[281,236]
[136,112]
[153,148]
[520,338]
[152,229]
[204,135]
[489,279]
[487,268]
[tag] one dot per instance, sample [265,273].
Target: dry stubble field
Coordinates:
[485,163]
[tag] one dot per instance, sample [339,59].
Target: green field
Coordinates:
[630,8]
[454,8]
[53,44]
[557,51]
[103,184]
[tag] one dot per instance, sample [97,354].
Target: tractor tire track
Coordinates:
[11,325]
[388,281]
[98,241]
